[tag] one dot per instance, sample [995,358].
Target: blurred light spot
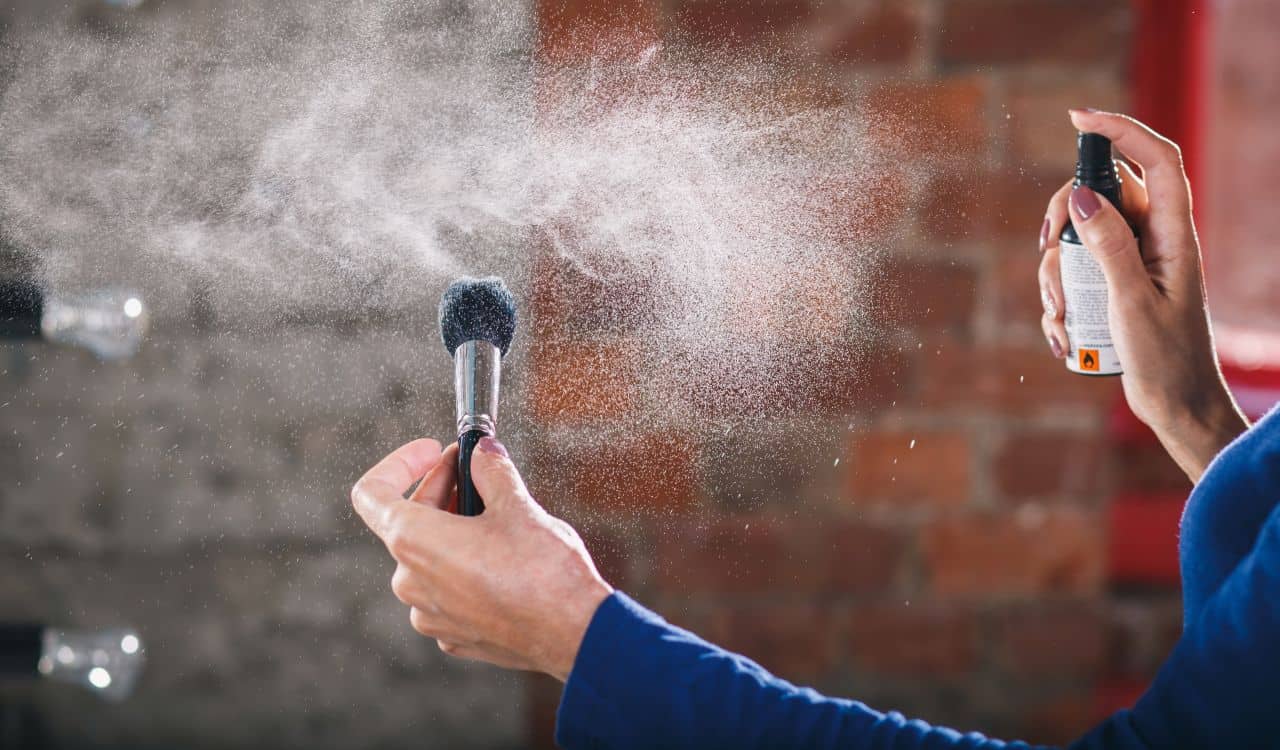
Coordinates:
[99,677]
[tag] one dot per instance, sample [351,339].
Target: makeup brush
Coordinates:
[477,322]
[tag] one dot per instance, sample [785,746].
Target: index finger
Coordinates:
[1057,215]
[1159,157]
[380,492]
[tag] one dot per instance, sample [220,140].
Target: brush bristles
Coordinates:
[477,310]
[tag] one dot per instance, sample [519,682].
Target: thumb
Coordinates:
[496,477]
[1110,240]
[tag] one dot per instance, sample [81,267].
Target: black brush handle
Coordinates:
[469,502]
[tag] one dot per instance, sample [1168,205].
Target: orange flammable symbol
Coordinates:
[1089,359]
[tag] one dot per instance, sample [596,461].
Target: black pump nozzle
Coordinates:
[1096,168]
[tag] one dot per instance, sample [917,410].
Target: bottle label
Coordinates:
[1089,348]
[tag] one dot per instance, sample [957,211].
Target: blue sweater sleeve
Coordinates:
[640,682]
[1226,512]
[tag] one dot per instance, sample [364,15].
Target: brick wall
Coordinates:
[199,492]
[951,559]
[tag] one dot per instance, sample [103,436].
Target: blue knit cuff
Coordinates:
[611,651]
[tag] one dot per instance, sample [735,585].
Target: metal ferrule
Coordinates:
[477,373]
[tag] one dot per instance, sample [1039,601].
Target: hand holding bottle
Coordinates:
[1156,299]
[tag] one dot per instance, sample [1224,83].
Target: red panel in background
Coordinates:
[1142,548]
[1256,389]
[1116,694]
[1171,73]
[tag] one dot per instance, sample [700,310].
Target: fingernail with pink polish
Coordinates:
[491,445]
[1085,202]
[1050,307]
[1055,347]
[1044,234]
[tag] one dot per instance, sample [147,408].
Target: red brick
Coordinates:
[1031,552]
[1063,717]
[879,33]
[929,118]
[861,557]
[1143,631]
[1143,539]
[763,555]
[820,380]
[1041,137]
[589,30]
[1049,463]
[1052,640]
[637,474]
[794,95]
[569,302]
[731,556]
[1087,32]
[883,374]
[573,381]
[775,467]
[1007,379]
[925,294]
[1147,467]
[1118,693]
[1017,293]
[925,640]
[916,467]
[981,206]
[864,211]
[719,22]
[794,640]
[542,693]
[611,551]
[791,302]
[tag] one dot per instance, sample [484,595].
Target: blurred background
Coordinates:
[977,538]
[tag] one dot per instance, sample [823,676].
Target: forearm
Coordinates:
[1195,432]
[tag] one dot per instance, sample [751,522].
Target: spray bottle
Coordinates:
[1084,287]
